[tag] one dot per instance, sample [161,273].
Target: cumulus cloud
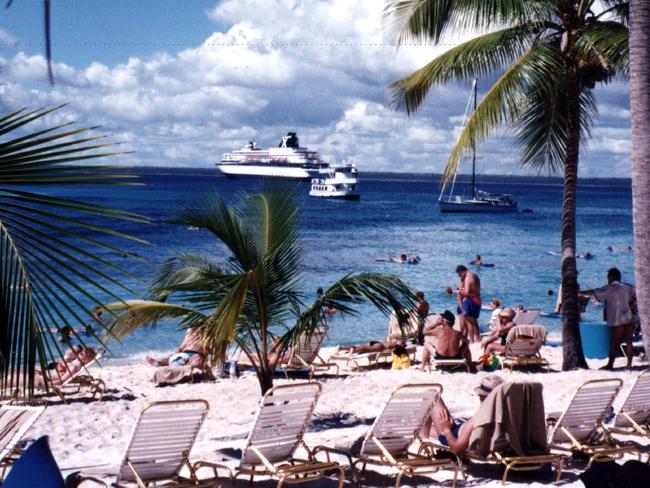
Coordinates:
[318,67]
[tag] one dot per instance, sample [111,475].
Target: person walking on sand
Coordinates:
[469,303]
[620,312]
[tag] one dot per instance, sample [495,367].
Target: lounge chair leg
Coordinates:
[505,474]
[399,479]
[341,476]
[281,481]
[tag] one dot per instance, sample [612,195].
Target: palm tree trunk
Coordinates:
[572,355]
[640,104]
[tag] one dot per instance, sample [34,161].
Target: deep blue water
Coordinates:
[397,214]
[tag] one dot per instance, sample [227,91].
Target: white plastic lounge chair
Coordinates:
[633,418]
[409,330]
[394,433]
[306,356]
[356,361]
[80,380]
[160,445]
[527,317]
[283,417]
[523,344]
[15,421]
[580,428]
[439,364]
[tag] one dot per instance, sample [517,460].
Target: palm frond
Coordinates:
[504,100]
[603,49]
[132,314]
[424,20]
[477,57]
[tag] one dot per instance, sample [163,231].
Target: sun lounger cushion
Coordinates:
[171,375]
[511,417]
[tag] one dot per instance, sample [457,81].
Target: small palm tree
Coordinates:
[254,299]
[52,272]
[549,55]
[639,103]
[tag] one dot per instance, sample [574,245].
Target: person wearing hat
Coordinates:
[456,433]
[505,323]
[448,342]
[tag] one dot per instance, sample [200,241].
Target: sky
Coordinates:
[179,83]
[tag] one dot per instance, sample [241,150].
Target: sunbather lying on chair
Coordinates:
[456,433]
[65,369]
[191,351]
[372,346]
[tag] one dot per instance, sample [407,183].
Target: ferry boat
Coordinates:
[288,161]
[480,201]
[336,182]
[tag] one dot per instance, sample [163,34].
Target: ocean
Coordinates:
[397,214]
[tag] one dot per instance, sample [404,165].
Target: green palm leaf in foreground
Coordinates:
[53,273]
[254,299]
[547,56]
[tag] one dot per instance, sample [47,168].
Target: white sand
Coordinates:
[96,433]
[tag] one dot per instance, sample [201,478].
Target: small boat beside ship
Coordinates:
[339,182]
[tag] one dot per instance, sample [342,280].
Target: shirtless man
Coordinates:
[454,433]
[449,343]
[469,303]
[191,351]
[496,341]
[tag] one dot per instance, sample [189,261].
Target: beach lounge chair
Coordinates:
[160,445]
[278,429]
[510,429]
[395,432]
[82,379]
[409,330]
[633,418]
[305,356]
[356,361]
[580,428]
[439,364]
[527,317]
[523,344]
[15,421]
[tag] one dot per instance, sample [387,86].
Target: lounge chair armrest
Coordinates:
[78,480]
[212,465]
[332,450]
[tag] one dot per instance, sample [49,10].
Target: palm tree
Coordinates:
[549,55]
[52,270]
[640,104]
[254,299]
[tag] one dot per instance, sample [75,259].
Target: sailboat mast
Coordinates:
[474,151]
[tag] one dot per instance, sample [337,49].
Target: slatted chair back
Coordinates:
[410,327]
[162,439]
[401,419]
[585,413]
[307,348]
[525,340]
[283,417]
[83,370]
[527,317]
[15,421]
[637,403]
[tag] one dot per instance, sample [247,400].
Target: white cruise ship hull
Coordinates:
[267,171]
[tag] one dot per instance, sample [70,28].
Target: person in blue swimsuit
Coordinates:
[455,434]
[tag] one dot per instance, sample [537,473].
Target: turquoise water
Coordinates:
[397,214]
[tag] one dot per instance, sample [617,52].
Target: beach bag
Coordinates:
[488,362]
[400,361]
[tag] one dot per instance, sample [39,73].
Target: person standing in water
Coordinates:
[469,303]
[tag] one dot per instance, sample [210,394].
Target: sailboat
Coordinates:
[480,201]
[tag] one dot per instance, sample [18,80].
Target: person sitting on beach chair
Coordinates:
[447,344]
[66,369]
[456,434]
[505,323]
[190,352]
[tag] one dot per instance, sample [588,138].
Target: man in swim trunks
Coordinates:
[449,343]
[469,303]
[456,433]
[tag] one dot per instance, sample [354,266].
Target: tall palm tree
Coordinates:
[254,298]
[52,272]
[640,104]
[548,55]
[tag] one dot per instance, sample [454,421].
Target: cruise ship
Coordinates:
[288,161]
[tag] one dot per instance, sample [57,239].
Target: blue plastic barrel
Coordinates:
[596,337]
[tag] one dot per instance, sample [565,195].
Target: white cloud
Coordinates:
[319,67]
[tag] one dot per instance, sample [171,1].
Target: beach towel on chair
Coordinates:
[171,375]
[511,417]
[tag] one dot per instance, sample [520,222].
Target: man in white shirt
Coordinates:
[620,311]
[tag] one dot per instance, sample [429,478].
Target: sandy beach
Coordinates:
[92,436]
